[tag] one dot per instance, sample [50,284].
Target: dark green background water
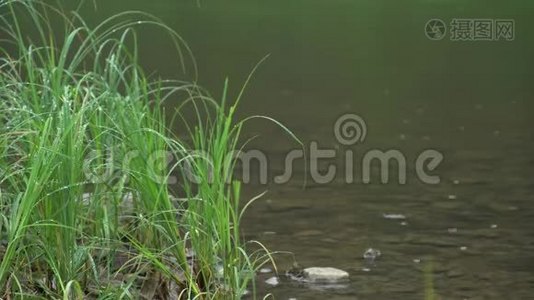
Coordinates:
[472,101]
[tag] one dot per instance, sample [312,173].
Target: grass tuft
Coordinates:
[85,208]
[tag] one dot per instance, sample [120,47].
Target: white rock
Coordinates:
[86,197]
[328,274]
[265,270]
[273,281]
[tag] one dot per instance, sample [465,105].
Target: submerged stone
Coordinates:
[371,254]
[394,216]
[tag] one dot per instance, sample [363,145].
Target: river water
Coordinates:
[470,101]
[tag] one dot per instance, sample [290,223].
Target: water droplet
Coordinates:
[452,230]
[452,197]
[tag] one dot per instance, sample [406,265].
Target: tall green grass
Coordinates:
[86,211]
[214,214]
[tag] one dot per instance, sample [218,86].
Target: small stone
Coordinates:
[265,270]
[86,197]
[371,254]
[417,260]
[452,197]
[404,223]
[452,230]
[328,274]
[493,226]
[463,248]
[273,281]
[366,269]
[456,181]
[219,270]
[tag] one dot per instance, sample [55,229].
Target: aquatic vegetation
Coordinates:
[85,208]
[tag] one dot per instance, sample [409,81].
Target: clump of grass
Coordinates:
[85,209]
[214,214]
